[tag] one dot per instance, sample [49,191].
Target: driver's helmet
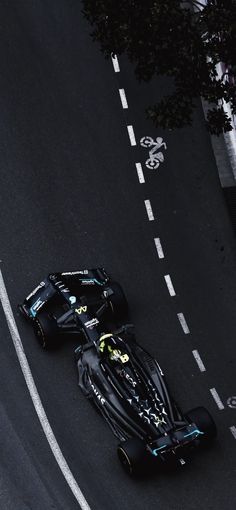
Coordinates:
[112,346]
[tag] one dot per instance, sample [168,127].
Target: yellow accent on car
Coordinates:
[101,346]
[107,335]
[124,358]
[81,309]
[116,354]
[102,343]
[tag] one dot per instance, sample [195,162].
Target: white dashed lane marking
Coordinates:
[199,361]
[140,173]
[123,98]
[217,399]
[131,135]
[115,64]
[233,431]
[149,210]
[158,245]
[183,323]
[160,253]
[170,285]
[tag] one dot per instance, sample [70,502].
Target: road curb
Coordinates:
[224,152]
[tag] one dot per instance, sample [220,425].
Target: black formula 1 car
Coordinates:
[121,378]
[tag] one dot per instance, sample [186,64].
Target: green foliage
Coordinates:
[169,37]
[217,121]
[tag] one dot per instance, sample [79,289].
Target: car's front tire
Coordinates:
[204,422]
[45,330]
[117,301]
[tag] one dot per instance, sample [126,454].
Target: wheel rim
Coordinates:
[152,163]
[125,460]
[146,141]
[39,334]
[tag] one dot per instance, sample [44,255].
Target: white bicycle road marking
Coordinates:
[60,459]
[155,158]
[231,402]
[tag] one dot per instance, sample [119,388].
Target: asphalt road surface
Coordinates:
[71,198]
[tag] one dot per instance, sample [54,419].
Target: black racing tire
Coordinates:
[45,330]
[118,303]
[23,312]
[132,454]
[204,422]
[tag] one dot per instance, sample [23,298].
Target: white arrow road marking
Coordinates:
[60,459]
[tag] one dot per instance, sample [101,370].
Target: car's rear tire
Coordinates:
[132,455]
[204,422]
[117,301]
[45,330]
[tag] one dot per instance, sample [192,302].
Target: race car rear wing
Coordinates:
[175,439]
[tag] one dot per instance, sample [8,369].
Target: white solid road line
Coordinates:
[149,210]
[115,64]
[140,173]
[183,323]
[217,399]
[170,285]
[131,135]
[123,98]
[160,253]
[198,359]
[233,431]
[36,399]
